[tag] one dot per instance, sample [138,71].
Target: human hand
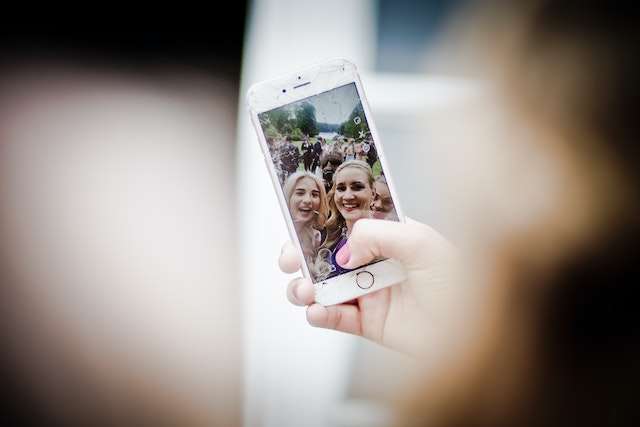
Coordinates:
[399,316]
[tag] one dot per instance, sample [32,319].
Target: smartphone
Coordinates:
[326,161]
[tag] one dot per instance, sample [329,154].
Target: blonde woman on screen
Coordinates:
[349,201]
[307,201]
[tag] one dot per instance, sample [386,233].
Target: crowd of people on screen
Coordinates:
[329,184]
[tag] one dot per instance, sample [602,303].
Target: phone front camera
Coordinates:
[299,77]
[284,90]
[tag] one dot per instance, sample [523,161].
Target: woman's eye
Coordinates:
[341,188]
[357,187]
[315,194]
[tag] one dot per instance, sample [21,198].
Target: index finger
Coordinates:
[289,260]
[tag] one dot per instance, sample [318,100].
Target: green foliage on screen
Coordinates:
[297,123]
[350,128]
[306,119]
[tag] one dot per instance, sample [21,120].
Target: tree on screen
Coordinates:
[306,119]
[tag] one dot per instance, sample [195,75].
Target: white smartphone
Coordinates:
[326,161]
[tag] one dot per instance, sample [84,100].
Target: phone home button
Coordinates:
[364,280]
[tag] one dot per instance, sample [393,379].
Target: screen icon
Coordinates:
[357,120]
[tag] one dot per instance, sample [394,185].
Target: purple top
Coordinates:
[338,270]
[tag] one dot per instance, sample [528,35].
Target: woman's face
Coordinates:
[305,200]
[382,204]
[353,193]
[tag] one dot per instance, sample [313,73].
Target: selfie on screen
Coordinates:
[327,164]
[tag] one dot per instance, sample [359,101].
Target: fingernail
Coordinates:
[343,255]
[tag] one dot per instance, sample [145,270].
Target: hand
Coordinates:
[398,316]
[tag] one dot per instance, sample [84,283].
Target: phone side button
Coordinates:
[364,280]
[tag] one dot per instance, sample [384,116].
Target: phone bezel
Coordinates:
[271,94]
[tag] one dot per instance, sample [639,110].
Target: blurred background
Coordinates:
[140,229]
[120,296]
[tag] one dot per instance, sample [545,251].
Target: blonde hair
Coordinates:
[306,233]
[336,222]
[290,186]
[557,297]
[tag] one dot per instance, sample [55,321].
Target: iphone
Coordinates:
[328,167]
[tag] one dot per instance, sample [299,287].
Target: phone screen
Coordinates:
[329,171]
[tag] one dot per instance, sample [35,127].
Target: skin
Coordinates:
[353,195]
[382,205]
[305,201]
[329,167]
[383,316]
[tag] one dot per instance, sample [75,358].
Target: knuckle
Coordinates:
[335,319]
[361,229]
[362,225]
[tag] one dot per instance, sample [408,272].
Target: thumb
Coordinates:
[404,242]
